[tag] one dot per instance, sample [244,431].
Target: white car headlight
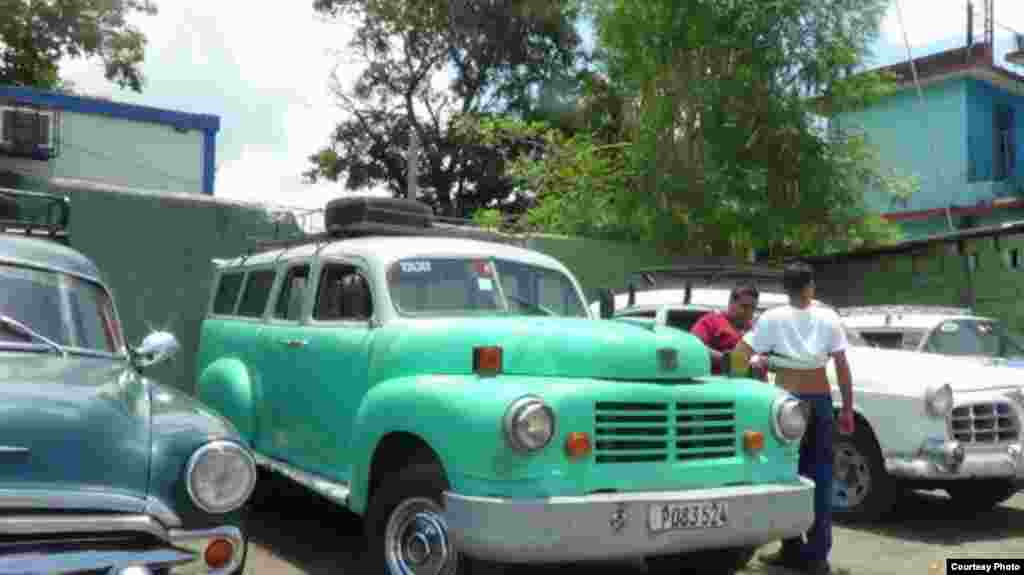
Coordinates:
[789,418]
[938,400]
[220,476]
[529,424]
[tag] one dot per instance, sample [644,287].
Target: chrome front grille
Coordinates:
[634,432]
[981,423]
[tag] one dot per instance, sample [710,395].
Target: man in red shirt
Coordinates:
[721,331]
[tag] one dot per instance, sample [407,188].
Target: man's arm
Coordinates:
[845,378]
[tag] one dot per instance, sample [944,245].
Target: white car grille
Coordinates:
[981,423]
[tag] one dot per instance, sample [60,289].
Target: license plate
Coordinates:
[678,516]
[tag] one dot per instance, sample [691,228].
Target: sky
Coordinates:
[265,72]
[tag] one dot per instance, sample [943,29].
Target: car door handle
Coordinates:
[294,342]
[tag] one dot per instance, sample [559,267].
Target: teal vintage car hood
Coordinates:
[538,346]
[84,422]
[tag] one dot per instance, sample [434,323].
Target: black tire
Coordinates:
[862,490]
[981,495]
[417,488]
[711,561]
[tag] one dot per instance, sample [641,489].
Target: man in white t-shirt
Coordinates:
[798,340]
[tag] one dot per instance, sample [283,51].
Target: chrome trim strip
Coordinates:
[162,512]
[332,490]
[12,450]
[226,445]
[55,524]
[78,500]
[113,561]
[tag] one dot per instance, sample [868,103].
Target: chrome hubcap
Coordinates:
[417,542]
[851,477]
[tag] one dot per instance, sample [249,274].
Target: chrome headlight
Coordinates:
[220,476]
[529,424]
[938,400]
[789,418]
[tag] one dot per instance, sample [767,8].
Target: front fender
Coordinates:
[459,417]
[229,387]
[899,422]
[180,426]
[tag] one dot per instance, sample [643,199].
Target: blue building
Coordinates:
[960,138]
[50,136]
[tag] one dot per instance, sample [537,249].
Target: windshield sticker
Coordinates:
[415,267]
[485,284]
[950,327]
[482,269]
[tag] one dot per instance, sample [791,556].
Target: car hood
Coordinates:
[73,425]
[539,346]
[911,371]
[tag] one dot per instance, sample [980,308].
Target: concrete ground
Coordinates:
[294,533]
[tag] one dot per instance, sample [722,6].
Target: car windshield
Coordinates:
[72,312]
[462,286]
[975,337]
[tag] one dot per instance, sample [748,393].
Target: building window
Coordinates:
[1005,151]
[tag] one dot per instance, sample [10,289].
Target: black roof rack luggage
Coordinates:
[354,217]
[49,219]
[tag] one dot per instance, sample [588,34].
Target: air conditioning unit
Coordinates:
[28,132]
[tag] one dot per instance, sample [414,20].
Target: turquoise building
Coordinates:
[959,137]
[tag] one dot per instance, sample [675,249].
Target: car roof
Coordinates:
[710,298]
[47,254]
[894,318]
[385,250]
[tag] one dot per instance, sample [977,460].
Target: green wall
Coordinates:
[939,273]
[155,252]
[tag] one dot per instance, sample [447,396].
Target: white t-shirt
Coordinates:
[804,338]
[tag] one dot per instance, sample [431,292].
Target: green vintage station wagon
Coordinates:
[459,396]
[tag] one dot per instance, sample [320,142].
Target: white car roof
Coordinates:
[911,321]
[385,250]
[716,298]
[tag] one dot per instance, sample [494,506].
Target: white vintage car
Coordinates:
[925,421]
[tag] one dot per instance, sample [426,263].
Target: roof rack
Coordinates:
[686,277]
[57,216]
[904,310]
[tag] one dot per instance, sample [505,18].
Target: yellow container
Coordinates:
[739,363]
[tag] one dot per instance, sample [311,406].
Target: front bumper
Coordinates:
[615,525]
[1004,461]
[115,544]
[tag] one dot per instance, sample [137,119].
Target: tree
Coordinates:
[514,57]
[729,102]
[36,34]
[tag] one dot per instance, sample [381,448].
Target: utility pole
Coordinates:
[412,166]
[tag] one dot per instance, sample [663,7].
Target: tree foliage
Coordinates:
[510,57]
[36,34]
[725,111]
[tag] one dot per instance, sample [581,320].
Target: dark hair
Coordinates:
[796,277]
[742,290]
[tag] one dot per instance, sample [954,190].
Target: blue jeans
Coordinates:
[816,464]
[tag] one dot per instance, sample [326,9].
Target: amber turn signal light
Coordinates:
[218,553]
[487,360]
[753,440]
[577,444]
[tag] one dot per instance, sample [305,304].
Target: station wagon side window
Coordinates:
[343,294]
[292,294]
[227,293]
[256,294]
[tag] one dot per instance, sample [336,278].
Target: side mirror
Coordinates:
[607,302]
[156,348]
